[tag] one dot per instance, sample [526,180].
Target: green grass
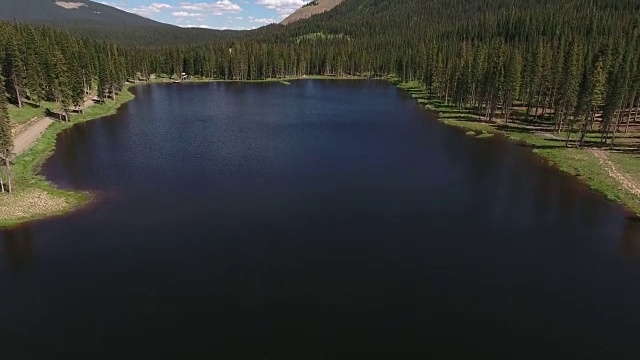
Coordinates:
[575,161]
[470,125]
[578,162]
[584,165]
[27,165]
[28,111]
[484,135]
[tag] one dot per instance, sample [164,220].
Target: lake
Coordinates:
[320,217]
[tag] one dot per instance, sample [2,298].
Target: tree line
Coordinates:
[574,61]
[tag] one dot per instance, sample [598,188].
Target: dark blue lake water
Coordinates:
[315,218]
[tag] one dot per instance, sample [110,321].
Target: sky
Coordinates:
[219,14]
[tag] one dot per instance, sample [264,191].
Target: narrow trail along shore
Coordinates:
[24,139]
[30,135]
[33,202]
[624,179]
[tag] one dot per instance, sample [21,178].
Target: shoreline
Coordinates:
[32,188]
[36,198]
[590,165]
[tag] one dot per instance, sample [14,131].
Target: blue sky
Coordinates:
[218,14]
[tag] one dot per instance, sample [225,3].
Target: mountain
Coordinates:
[99,21]
[75,12]
[313,8]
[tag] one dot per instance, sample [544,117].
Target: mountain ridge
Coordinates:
[103,22]
[54,12]
[310,9]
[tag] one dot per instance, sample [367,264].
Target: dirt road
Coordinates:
[27,137]
[620,176]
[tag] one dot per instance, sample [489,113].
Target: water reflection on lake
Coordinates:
[317,217]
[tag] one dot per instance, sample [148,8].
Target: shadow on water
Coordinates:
[326,216]
[629,244]
[19,248]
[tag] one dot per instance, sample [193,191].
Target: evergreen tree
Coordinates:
[6,140]
[591,94]
[34,78]
[14,71]
[569,87]
[60,84]
[512,82]
[558,59]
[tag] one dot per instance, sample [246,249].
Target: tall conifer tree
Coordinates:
[6,141]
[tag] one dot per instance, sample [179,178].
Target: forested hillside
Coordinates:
[88,13]
[98,21]
[577,60]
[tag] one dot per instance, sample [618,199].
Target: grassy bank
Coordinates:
[28,111]
[580,162]
[34,197]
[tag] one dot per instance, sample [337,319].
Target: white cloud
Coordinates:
[283,7]
[143,10]
[117,6]
[262,21]
[158,6]
[218,7]
[187,14]
[147,10]
[219,27]
[199,26]
[192,13]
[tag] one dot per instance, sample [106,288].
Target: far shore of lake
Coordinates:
[37,198]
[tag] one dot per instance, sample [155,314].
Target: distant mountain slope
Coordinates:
[73,11]
[312,8]
[98,21]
